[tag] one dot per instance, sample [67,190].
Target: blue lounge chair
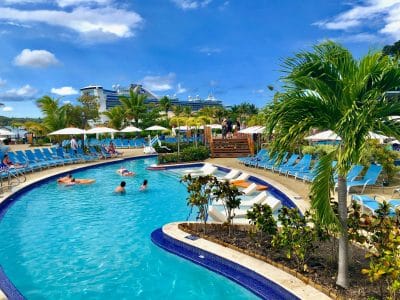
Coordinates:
[39,154]
[33,159]
[370,178]
[302,166]
[371,204]
[257,157]
[272,163]
[290,162]
[85,156]
[22,159]
[354,172]
[62,155]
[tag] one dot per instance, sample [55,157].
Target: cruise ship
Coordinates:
[110,98]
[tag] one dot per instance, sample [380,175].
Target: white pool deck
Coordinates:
[289,282]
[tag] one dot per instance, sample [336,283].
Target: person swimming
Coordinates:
[121,188]
[143,187]
[125,172]
[66,179]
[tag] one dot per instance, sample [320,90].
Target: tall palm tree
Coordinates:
[116,116]
[55,116]
[329,89]
[134,106]
[165,104]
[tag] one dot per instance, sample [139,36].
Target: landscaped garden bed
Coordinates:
[321,268]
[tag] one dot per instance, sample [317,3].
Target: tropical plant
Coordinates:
[116,116]
[165,104]
[329,89]
[295,237]
[134,106]
[200,193]
[261,216]
[55,116]
[90,106]
[229,196]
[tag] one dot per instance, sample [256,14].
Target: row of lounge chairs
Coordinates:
[371,204]
[300,168]
[43,158]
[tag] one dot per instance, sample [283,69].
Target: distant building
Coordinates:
[110,98]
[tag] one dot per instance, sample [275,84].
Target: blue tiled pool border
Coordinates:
[254,282]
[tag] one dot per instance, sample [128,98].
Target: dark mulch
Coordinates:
[322,266]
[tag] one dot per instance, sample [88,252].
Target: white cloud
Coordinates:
[35,58]
[64,3]
[159,83]
[209,50]
[383,15]
[64,91]
[103,21]
[8,108]
[191,4]
[259,91]
[180,89]
[2,82]
[21,94]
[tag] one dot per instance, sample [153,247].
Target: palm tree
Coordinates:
[134,106]
[55,116]
[329,89]
[116,116]
[165,104]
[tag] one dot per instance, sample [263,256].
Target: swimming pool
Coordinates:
[84,242]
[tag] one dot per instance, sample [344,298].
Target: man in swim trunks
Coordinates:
[65,179]
[121,188]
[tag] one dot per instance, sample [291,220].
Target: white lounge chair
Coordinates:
[202,169]
[208,171]
[231,175]
[256,200]
[274,203]
[219,216]
[250,189]
[242,177]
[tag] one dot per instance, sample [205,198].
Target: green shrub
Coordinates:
[318,150]
[193,153]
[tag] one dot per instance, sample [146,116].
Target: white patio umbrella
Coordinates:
[327,135]
[253,129]
[215,126]
[97,130]
[131,129]
[377,136]
[156,128]
[101,130]
[68,131]
[5,132]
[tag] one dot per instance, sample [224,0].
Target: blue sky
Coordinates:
[232,49]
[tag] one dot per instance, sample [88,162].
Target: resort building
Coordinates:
[110,98]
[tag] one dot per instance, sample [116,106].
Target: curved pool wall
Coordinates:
[13,293]
[254,282]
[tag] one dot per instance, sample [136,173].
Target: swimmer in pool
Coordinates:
[143,187]
[121,188]
[125,172]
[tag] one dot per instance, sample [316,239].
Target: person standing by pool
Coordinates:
[121,188]
[143,187]
[74,145]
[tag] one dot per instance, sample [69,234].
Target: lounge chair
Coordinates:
[290,162]
[273,162]
[260,155]
[301,166]
[250,189]
[272,202]
[243,177]
[200,170]
[219,216]
[353,173]
[255,200]
[209,171]
[231,175]
[370,178]
[39,154]
[367,202]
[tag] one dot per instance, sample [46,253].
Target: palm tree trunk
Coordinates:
[343,259]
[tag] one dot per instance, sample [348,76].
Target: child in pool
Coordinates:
[143,187]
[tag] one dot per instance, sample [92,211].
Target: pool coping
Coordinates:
[272,274]
[11,292]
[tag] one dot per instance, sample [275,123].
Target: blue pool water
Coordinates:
[84,242]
